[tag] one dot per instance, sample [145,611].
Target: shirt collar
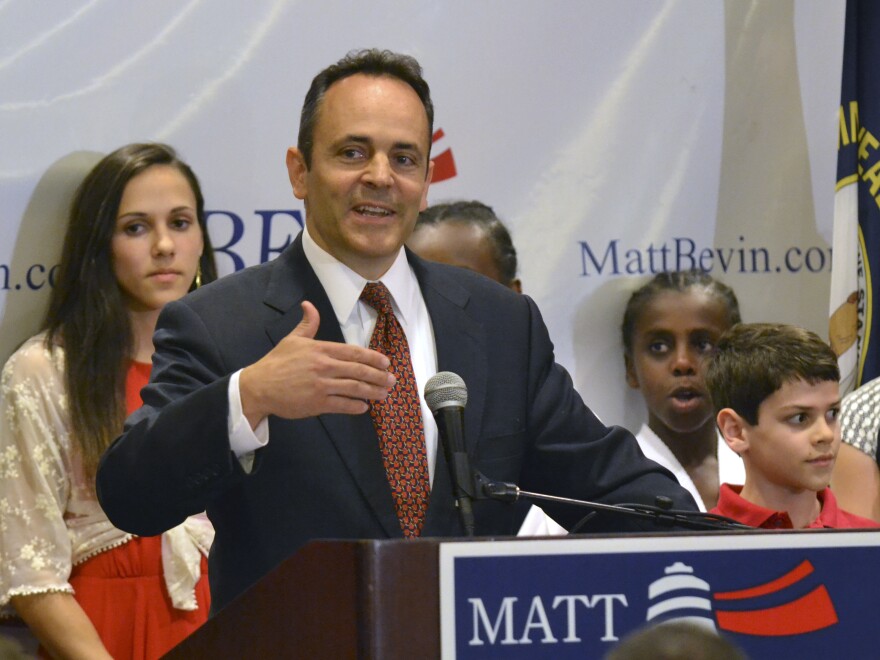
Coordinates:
[830,515]
[733,505]
[344,286]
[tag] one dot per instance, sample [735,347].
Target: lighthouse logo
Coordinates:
[791,604]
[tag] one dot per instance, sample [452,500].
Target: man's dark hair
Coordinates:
[754,360]
[370,62]
[479,215]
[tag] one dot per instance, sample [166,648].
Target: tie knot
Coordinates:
[376,295]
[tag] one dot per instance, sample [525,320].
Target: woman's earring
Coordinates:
[199,275]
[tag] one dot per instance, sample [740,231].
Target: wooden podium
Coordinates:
[776,594]
[332,599]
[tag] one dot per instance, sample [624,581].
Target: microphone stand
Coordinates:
[661,514]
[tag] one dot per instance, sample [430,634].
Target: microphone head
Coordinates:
[445,389]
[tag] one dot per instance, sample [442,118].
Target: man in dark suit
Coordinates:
[261,384]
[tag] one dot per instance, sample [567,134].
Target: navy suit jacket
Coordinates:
[323,477]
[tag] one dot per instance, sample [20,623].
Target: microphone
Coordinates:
[446,396]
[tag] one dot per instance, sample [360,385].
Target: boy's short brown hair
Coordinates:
[754,360]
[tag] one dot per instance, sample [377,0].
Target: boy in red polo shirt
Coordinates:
[777,401]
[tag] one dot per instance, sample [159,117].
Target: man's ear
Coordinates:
[734,430]
[296,171]
[631,378]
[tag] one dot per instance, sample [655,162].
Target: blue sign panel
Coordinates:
[798,594]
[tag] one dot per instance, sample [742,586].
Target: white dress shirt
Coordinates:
[730,466]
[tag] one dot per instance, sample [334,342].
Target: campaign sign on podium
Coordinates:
[805,594]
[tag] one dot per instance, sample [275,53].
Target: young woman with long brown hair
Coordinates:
[136,240]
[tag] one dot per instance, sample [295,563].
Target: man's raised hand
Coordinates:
[303,377]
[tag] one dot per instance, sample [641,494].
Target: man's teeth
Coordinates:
[373,210]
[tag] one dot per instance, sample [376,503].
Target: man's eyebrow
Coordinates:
[350,139]
[363,139]
[409,146]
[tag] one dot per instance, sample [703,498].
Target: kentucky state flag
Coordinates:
[854,333]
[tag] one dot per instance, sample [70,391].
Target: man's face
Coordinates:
[369,174]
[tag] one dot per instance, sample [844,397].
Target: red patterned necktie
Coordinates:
[398,419]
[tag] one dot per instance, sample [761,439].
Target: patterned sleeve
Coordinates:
[860,418]
[35,549]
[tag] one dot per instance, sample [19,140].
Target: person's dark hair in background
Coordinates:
[675,641]
[86,307]
[372,62]
[468,234]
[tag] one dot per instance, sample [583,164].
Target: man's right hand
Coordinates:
[302,377]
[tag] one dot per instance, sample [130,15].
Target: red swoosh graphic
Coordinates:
[811,612]
[444,163]
[798,573]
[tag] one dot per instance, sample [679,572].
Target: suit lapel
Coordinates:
[352,436]
[460,343]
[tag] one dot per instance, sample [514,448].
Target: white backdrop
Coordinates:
[597,129]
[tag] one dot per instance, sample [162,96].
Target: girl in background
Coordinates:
[136,240]
[670,328]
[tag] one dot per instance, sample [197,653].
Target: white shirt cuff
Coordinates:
[242,439]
